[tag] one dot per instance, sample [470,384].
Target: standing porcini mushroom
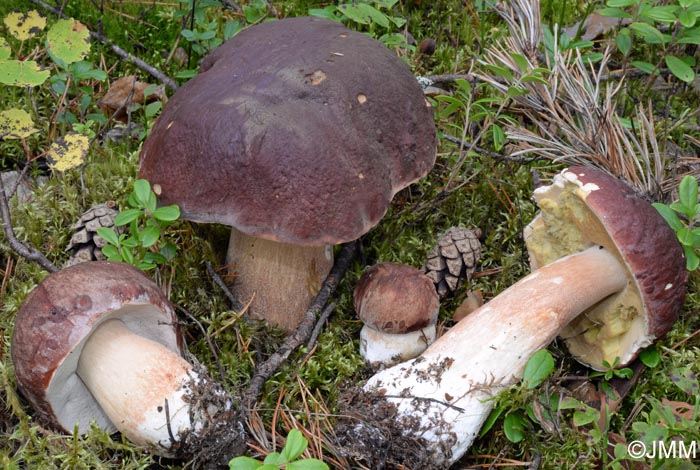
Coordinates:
[615,274]
[99,341]
[399,307]
[297,133]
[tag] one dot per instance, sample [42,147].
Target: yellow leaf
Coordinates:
[15,124]
[68,41]
[22,73]
[68,151]
[5,50]
[24,26]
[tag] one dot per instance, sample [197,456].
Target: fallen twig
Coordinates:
[235,303]
[146,67]
[305,329]
[20,248]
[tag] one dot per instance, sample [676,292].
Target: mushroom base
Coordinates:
[379,348]
[279,279]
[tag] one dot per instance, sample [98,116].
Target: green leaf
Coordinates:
[624,41]
[295,446]
[648,32]
[686,380]
[25,25]
[614,13]
[375,15]
[149,236]
[621,3]
[127,216]
[685,236]
[327,12]
[167,213]
[687,19]
[355,14]
[127,254]
[520,61]
[307,464]
[645,67]
[499,136]
[581,418]
[22,73]
[68,41]
[109,235]
[650,357]
[490,421]
[538,368]
[662,14]
[275,458]
[112,253]
[243,463]
[142,191]
[514,427]
[669,216]
[692,261]
[688,191]
[680,69]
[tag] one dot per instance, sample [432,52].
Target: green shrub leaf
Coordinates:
[127,216]
[22,73]
[514,427]
[679,69]
[68,41]
[307,464]
[538,368]
[296,445]
[243,463]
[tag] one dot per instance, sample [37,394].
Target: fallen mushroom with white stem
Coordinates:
[99,341]
[614,281]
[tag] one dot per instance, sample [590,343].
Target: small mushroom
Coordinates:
[296,133]
[610,278]
[399,307]
[99,341]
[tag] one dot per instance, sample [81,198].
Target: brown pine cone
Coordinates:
[85,243]
[453,259]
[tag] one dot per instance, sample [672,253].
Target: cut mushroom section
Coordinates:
[598,247]
[297,133]
[98,341]
[399,307]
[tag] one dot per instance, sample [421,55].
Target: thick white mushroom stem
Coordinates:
[281,279]
[140,384]
[445,394]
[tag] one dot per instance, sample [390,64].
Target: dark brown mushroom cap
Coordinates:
[57,317]
[396,299]
[646,243]
[298,130]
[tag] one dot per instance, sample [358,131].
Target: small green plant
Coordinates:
[613,371]
[684,218]
[374,16]
[517,421]
[288,458]
[670,26]
[143,244]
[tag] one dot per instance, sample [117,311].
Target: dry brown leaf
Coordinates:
[125,91]
[595,25]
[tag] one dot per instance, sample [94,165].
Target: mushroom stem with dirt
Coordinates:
[98,341]
[612,280]
[297,133]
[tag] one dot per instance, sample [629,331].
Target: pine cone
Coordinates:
[85,243]
[453,259]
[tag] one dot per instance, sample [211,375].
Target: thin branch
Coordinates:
[235,303]
[159,75]
[20,248]
[319,325]
[305,329]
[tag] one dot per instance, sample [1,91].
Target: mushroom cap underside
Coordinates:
[585,207]
[58,316]
[298,131]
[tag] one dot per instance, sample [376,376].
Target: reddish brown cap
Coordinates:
[605,211]
[396,299]
[57,317]
[298,131]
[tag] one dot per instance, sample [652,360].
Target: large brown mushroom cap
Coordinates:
[57,317]
[298,131]
[586,207]
[396,299]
